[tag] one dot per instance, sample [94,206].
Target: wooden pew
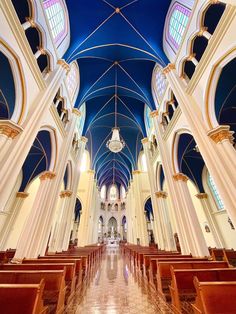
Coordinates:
[164,272]
[54,290]
[217,254]
[182,286]
[76,261]
[215,297]
[147,258]
[22,298]
[70,276]
[152,271]
[230,257]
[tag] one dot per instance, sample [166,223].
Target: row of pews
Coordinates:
[47,284]
[188,284]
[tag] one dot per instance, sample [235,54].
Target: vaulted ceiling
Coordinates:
[116,44]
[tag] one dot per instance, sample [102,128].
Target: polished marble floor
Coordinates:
[114,289]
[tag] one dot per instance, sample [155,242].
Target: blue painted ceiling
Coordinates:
[116,44]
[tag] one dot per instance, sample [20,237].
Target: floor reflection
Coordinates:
[114,290]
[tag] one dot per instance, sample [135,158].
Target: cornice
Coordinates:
[9,128]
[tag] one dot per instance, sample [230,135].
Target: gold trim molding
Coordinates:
[66,193]
[136,172]
[168,68]
[144,140]
[64,64]
[76,112]
[47,175]
[180,177]
[10,129]
[221,133]
[84,139]
[161,194]
[201,196]
[154,114]
[22,194]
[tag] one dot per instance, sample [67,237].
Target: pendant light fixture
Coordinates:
[116,143]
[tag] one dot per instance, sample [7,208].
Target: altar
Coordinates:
[112,242]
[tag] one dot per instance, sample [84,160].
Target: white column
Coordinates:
[83,232]
[72,201]
[29,240]
[168,233]
[203,197]
[196,238]
[158,223]
[12,216]
[139,209]
[11,164]
[8,132]
[173,193]
[214,145]
[62,225]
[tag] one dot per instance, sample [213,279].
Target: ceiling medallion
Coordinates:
[115,144]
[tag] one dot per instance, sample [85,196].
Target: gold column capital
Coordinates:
[10,129]
[221,133]
[91,171]
[144,140]
[202,31]
[154,114]
[76,112]
[65,193]
[22,194]
[136,172]
[169,68]
[31,21]
[84,139]
[201,195]
[161,194]
[47,175]
[64,64]
[180,177]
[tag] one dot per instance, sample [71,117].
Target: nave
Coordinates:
[116,288]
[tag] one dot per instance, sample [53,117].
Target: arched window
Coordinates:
[148,120]
[72,80]
[144,163]
[122,192]
[81,120]
[215,192]
[160,84]
[113,193]
[103,192]
[177,24]
[84,162]
[56,18]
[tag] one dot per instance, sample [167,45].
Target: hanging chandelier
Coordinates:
[116,143]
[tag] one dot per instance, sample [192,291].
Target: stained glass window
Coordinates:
[177,24]
[160,84]
[113,193]
[56,18]
[215,192]
[148,120]
[72,80]
[81,119]
[144,163]
[103,192]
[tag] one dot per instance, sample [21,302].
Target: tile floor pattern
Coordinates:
[116,289]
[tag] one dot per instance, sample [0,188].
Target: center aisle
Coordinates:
[114,290]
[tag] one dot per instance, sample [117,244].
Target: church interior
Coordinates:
[117,156]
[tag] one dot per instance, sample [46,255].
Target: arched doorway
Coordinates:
[149,217]
[100,229]
[124,228]
[112,227]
